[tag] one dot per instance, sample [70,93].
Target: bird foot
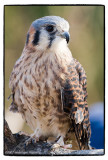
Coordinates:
[32,139]
[60,143]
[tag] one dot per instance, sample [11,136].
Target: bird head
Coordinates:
[48,32]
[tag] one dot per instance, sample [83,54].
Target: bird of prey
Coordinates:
[49,86]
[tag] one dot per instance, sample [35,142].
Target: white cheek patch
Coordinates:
[43,40]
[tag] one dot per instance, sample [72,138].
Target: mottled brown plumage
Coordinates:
[49,86]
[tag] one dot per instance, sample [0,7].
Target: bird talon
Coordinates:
[28,141]
[33,141]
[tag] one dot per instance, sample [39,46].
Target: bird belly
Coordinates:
[46,114]
[50,118]
[39,101]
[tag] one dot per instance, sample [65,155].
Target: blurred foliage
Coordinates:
[86,44]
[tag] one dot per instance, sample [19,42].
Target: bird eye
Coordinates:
[50,28]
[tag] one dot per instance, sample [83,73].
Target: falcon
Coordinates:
[49,86]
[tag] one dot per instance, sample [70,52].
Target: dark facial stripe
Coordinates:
[51,40]
[27,40]
[36,38]
[52,37]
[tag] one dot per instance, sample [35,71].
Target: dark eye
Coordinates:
[50,28]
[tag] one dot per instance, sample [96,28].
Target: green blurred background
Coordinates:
[86,43]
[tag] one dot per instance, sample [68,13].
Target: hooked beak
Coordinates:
[66,36]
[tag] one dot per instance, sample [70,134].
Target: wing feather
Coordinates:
[75,103]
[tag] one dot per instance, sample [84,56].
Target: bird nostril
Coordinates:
[66,36]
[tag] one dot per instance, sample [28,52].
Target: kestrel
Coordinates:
[49,86]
